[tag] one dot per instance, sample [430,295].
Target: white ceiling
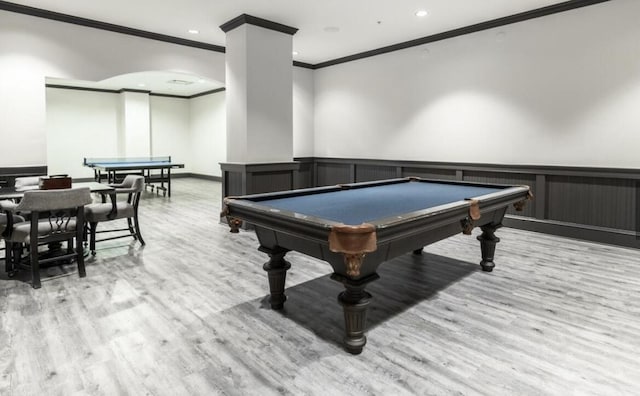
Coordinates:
[328,29]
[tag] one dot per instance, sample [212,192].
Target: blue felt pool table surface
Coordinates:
[362,205]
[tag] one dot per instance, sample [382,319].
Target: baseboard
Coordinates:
[201,176]
[578,231]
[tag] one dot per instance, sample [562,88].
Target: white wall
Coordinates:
[559,90]
[80,124]
[85,124]
[562,89]
[34,48]
[208,119]
[170,130]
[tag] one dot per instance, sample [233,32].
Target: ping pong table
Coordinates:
[113,170]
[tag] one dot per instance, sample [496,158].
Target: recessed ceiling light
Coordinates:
[142,85]
[201,80]
[332,29]
[421,13]
[194,31]
[294,53]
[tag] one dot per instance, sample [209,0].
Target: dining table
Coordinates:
[16,193]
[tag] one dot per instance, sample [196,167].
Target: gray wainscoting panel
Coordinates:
[429,173]
[332,173]
[253,178]
[366,173]
[233,184]
[305,175]
[598,204]
[264,182]
[510,179]
[601,202]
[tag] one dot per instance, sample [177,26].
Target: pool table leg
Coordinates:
[488,242]
[355,302]
[276,268]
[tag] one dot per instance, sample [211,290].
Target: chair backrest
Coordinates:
[46,200]
[55,214]
[137,183]
[133,182]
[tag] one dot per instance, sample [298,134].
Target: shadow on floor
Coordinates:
[404,282]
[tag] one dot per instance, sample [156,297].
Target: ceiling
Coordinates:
[158,82]
[328,29]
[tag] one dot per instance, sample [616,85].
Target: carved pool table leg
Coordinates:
[488,242]
[355,302]
[276,268]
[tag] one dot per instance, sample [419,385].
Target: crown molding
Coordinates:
[244,18]
[494,23]
[56,16]
[251,20]
[118,91]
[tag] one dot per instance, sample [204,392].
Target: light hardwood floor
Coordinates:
[188,315]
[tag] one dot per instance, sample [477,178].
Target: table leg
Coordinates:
[276,268]
[488,242]
[169,181]
[355,302]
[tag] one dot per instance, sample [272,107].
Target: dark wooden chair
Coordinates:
[132,186]
[56,216]
[7,205]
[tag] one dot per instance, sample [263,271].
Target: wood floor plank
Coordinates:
[188,315]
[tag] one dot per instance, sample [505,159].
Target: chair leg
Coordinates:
[35,265]
[131,228]
[80,253]
[92,238]
[8,261]
[137,225]
[13,257]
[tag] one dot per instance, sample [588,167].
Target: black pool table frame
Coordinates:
[355,252]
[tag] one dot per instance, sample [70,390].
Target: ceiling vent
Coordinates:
[180,82]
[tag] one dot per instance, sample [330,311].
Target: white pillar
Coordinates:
[134,127]
[259,87]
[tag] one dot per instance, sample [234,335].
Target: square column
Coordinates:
[259,86]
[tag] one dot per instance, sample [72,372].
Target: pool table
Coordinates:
[356,227]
